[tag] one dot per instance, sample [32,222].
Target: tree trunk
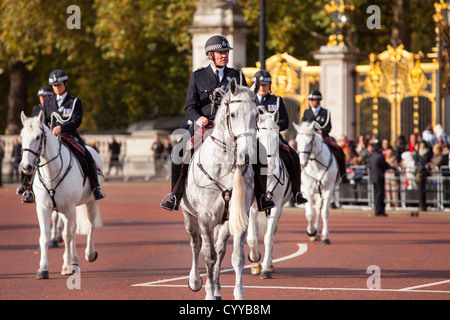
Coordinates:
[401,34]
[17,100]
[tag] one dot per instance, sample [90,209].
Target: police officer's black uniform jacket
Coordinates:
[201,88]
[69,116]
[322,119]
[36,109]
[270,102]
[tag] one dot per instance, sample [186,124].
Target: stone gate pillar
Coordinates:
[337,64]
[223,18]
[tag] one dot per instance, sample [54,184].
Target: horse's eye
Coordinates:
[233,115]
[38,137]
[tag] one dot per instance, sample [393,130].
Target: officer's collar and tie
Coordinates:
[316,110]
[218,73]
[60,99]
[260,99]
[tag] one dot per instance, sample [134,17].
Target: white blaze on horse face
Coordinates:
[31,141]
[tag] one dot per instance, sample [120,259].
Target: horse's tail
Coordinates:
[238,219]
[82,220]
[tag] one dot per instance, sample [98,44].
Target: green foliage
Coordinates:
[132,55]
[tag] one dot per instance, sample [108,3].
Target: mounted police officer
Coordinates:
[44,93]
[287,154]
[321,118]
[63,115]
[203,97]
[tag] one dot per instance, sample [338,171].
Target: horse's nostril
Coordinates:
[247,159]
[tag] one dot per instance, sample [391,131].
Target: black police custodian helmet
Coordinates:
[315,95]
[217,43]
[57,76]
[263,76]
[45,91]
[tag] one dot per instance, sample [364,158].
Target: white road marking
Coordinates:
[425,285]
[302,248]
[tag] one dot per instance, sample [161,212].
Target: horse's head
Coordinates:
[269,133]
[236,118]
[305,141]
[33,137]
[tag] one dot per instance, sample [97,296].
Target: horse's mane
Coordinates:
[308,129]
[268,121]
[245,96]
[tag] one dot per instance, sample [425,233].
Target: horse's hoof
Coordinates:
[42,275]
[53,244]
[194,289]
[68,271]
[314,238]
[92,257]
[272,268]
[311,234]
[256,268]
[257,259]
[326,241]
[265,274]
[218,297]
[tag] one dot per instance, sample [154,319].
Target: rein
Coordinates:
[37,166]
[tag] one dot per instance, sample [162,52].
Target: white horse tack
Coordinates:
[320,174]
[57,188]
[278,183]
[224,155]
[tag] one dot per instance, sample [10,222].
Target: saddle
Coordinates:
[338,153]
[78,150]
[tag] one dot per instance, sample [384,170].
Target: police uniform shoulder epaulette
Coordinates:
[200,69]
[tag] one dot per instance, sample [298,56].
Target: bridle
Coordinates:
[37,165]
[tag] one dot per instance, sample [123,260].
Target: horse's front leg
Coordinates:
[269,239]
[325,213]
[222,235]
[54,230]
[191,224]
[70,256]
[43,214]
[309,214]
[252,240]
[92,210]
[238,260]
[210,258]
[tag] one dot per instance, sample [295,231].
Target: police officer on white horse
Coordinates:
[202,100]
[63,115]
[287,154]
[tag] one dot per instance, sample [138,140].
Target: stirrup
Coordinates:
[171,204]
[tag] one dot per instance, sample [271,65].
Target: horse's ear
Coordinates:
[255,86]
[23,117]
[296,127]
[261,109]
[41,117]
[232,85]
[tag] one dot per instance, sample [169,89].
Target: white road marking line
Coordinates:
[307,288]
[302,248]
[425,285]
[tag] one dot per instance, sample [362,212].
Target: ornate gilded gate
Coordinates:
[395,94]
[292,79]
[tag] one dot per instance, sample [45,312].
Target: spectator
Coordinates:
[166,156]
[429,137]
[158,150]
[16,157]
[441,136]
[400,147]
[361,145]
[386,145]
[392,184]
[409,164]
[412,142]
[114,149]
[423,155]
[439,159]
[378,166]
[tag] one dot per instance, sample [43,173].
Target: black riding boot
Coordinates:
[179,173]
[292,162]
[25,189]
[263,198]
[93,177]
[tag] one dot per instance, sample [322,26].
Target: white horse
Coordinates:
[220,190]
[279,184]
[320,175]
[58,186]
